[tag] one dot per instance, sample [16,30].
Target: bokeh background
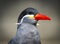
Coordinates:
[10,10]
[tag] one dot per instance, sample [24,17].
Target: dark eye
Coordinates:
[31,13]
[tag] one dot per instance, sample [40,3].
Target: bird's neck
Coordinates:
[35,24]
[29,23]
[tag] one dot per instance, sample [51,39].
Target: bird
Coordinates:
[27,31]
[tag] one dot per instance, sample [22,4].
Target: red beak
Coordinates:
[41,17]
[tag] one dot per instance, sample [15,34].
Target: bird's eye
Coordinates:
[31,13]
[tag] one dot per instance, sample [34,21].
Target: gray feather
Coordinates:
[26,34]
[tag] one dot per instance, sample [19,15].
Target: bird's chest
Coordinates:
[28,30]
[28,37]
[27,34]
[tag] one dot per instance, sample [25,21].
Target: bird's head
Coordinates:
[31,15]
[29,11]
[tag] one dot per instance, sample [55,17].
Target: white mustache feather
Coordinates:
[20,23]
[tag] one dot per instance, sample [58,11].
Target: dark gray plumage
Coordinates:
[27,33]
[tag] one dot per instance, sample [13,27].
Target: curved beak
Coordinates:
[41,17]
